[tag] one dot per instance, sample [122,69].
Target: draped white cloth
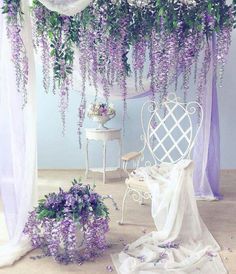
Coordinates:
[66,7]
[17,146]
[182,243]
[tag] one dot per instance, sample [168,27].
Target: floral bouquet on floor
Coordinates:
[70,226]
[101,113]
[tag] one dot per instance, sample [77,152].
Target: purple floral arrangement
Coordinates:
[70,225]
[101,109]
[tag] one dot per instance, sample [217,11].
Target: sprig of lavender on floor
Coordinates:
[170,245]
[104,197]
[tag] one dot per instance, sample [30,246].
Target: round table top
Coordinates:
[103,130]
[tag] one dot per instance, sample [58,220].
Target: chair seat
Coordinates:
[137,184]
[137,181]
[131,156]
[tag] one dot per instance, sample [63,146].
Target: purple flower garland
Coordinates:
[223,44]
[138,59]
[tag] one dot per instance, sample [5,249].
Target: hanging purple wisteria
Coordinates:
[70,225]
[169,36]
[14,17]
[154,40]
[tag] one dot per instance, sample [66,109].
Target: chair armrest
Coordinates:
[131,156]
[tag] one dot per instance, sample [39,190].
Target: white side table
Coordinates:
[103,135]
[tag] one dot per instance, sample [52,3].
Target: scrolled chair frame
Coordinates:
[171,103]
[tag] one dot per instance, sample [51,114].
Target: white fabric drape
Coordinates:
[66,7]
[177,220]
[17,145]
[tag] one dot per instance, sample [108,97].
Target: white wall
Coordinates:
[56,151]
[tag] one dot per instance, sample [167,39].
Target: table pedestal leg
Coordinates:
[120,161]
[87,160]
[104,162]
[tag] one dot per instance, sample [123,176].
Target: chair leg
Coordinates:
[141,202]
[125,164]
[121,222]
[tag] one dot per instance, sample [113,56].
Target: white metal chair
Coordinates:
[168,137]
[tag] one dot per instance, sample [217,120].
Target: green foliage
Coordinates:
[10,5]
[234,12]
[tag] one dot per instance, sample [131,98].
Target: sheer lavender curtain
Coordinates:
[17,146]
[207,147]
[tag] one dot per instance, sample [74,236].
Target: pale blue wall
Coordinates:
[227,108]
[56,151]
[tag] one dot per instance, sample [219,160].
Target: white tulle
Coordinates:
[66,7]
[17,146]
[177,220]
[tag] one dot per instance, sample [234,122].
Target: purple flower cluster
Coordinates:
[139,58]
[70,226]
[223,44]
[41,40]
[13,12]
[101,109]
[204,72]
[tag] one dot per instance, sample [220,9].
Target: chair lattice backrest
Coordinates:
[169,134]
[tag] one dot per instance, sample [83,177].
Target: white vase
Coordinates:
[102,120]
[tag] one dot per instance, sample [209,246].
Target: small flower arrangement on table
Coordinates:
[101,113]
[70,226]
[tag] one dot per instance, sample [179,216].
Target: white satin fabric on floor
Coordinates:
[182,243]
